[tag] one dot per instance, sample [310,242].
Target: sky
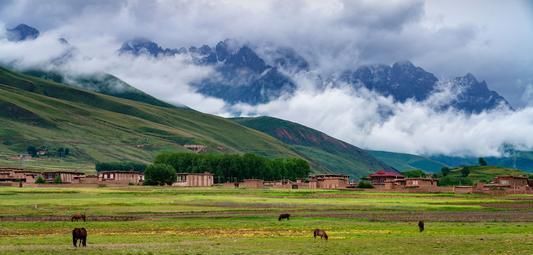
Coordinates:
[491,39]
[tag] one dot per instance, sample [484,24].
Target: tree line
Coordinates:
[120,166]
[234,167]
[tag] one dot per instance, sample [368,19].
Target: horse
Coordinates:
[321,233]
[79,234]
[284,216]
[78,216]
[421,226]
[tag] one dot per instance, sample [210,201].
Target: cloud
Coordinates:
[375,122]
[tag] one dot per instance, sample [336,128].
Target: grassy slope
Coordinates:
[99,128]
[325,151]
[485,173]
[404,162]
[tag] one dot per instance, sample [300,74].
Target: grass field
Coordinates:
[237,221]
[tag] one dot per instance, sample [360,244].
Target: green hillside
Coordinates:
[405,162]
[325,151]
[522,160]
[97,127]
[478,174]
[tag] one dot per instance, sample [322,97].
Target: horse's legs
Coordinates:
[74,241]
[84,240]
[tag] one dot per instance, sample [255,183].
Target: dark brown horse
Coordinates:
[321,233]
[79,234]
[421,226]
[78,216]
[284,216]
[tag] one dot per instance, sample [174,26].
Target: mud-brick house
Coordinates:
[120,177]
[205,179]
[329,181]
[65,176]
[379,178]
[422,183]
[514,182]
[252,183]
[87,179]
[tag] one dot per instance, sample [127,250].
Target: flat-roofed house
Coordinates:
[329,181]
[380,177]
[252,183]
[120,177]
[420,182]
[205,179]
[514,182]
[65,176]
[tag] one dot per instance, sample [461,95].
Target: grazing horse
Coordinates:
[321,233]
[79,234]
[284,216]
[78,216]
[421,226]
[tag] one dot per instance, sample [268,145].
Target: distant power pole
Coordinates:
[514,159]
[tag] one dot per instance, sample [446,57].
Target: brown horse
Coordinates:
[321,233]
[79,234]
[284,216]
[421,226]
[78,216]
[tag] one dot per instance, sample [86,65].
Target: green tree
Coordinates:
[482,162]
[40,180]
[365,185]
[159,174]
[32,150]
[414,173]
[58,180]
[465,171]
[445,171]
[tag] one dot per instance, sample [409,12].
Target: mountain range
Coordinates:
[244,76]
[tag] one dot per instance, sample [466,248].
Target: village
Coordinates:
[382,180]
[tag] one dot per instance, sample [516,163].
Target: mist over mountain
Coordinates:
[396,107]
[243,76]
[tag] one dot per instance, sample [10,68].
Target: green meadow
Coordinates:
[244,221]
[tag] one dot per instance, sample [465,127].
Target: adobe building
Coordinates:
[252,183]
[120,177]
[65,176]
[379,178]
[463,189]
[87,179]
[420,183]
[194,180]
[514,182]
[17,175]
[329,181]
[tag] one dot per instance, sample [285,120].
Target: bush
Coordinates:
[159,174]
[40,180]
[465,171]
[365,185]
[482,162]
[58,180]
[445,171]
